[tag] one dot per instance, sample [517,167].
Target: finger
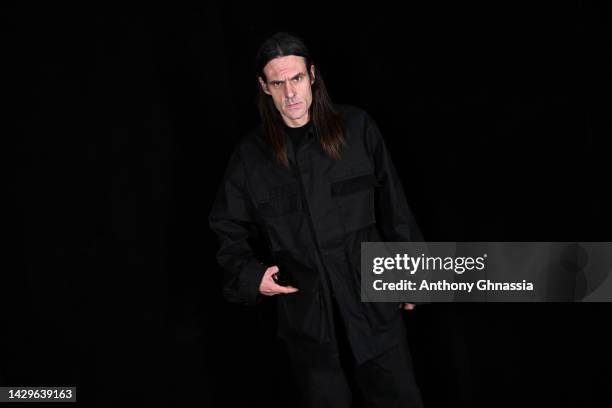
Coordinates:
[272,270]
[275,288]
[408,306]
[272,278]
[289,289]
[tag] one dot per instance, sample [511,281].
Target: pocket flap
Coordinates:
[351,185]
[282,199]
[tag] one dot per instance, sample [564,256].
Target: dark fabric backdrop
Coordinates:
[120,120]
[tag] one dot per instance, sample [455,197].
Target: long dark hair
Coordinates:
[326,120]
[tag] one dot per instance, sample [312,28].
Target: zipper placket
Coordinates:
[326,279]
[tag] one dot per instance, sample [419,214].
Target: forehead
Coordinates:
[284,67]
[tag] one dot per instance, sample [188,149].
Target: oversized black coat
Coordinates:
[313,218]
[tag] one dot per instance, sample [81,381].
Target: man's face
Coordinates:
[290,87]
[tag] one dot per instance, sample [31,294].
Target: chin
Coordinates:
[295,115]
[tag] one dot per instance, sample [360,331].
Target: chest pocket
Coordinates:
[354,196]
[282,200]
[281,210]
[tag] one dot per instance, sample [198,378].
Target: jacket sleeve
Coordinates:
[231,218]
[395,220]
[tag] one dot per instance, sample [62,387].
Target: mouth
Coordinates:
[294,106]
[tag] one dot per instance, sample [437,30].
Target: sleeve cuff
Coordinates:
[250,279]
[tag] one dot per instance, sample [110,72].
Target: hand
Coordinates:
[270,288]
[407,306]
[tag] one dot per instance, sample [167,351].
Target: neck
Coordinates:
[297,122]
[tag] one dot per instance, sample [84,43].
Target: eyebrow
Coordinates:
[295,76]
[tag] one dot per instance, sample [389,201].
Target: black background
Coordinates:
[120,121]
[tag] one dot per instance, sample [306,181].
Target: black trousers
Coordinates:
[334,380]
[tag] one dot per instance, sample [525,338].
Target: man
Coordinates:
[314,180]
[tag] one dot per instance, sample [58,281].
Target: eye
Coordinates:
[276,84]
[297,79]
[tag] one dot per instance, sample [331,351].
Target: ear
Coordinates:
[263,85]
[312,74]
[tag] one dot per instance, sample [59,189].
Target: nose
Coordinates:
[289,90]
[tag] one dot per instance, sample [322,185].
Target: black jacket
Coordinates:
[313,219]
